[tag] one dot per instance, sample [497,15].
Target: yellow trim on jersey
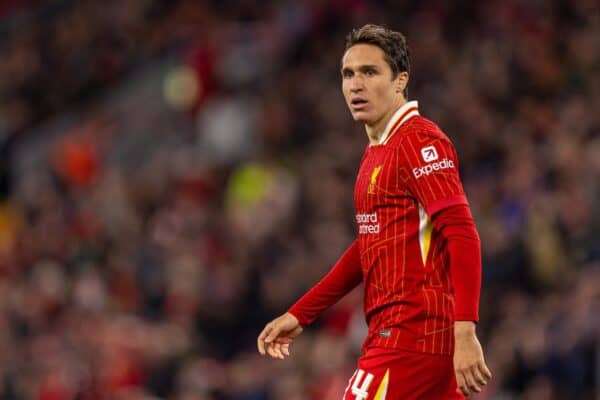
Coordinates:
[425,230]
[382,390]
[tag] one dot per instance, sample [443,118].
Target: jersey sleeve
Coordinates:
[458,228]
[429,168]
[345,275]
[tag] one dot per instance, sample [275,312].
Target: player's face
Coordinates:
[370,92]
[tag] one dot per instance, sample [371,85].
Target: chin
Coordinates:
[360,117]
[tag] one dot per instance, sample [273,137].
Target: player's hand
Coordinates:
[276,337]
[469,366]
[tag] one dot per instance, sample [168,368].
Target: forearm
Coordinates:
[465,261]
[345,275]
[458,228]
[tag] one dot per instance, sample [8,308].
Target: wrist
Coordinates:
[291,315]
[464,328]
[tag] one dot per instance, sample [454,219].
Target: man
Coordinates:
[417,251]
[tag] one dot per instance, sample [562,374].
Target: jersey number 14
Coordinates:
[360,386]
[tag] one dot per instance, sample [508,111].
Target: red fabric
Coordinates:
[345,275]
[435,182]
[457,226]
[411,376]
[410,266]
[408,301]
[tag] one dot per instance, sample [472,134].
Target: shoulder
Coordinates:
[421,138]
[421,129]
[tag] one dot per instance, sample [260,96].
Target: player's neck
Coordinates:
[375,130]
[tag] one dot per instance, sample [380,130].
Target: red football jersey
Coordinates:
[401,183]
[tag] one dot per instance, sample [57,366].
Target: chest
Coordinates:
[379,178]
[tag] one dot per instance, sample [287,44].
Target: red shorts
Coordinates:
[389,374]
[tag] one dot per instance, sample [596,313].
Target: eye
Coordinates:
[347,74]
[370,72]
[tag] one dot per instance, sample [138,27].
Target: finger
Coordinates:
[261,339]
[285,349]
[478,376]
[470,381]
[260,346]
[271,350]
[460,382]
[283,355]
[277,350]
[485,370]
[273,333]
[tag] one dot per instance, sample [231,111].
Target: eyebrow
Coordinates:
[360,68]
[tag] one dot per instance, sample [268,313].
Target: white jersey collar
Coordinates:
[403,114]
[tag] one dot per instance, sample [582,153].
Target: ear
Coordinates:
[401,82]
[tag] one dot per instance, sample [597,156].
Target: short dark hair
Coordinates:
[393,44]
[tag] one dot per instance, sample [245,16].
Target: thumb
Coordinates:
[273,334]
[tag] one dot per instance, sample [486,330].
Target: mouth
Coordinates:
[358,104]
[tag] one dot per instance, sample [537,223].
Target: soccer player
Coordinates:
[417,251]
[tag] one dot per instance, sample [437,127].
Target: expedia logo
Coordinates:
[429,168]
[429,153]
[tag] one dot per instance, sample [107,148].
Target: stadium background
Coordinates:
[173,174]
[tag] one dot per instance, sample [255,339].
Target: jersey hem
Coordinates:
[412,344]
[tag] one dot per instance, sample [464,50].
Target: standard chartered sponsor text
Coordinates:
[367,223]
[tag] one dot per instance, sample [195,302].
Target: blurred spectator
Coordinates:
[175,173]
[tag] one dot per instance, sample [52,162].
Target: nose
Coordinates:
[356,84]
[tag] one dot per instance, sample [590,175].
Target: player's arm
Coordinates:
[431,172]
[345,275]
[456,225]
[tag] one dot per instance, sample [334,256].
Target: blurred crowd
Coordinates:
[144,243]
